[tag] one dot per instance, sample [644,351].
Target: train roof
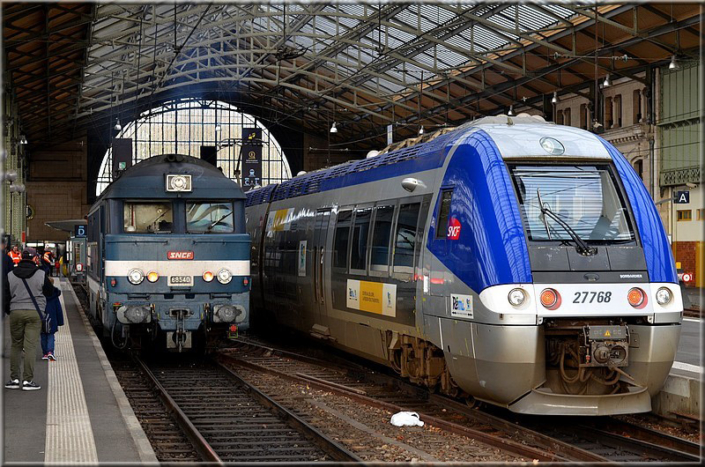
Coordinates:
[147,180]
[519,136]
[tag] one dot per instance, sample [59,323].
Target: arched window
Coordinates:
[184,126]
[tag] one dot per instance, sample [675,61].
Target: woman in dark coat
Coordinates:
[56,315]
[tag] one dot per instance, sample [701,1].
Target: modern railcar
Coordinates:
[168,257]
[511,260]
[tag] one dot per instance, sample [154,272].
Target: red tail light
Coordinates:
[550,299]
[637,297]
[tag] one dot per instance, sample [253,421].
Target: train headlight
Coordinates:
[152,277]
[224,276]
[663,296]
[516,297]
[135,276]
[636,297]
[550,299]
[208,276]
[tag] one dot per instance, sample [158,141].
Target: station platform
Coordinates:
[81,414]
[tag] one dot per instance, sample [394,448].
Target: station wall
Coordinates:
[56,189]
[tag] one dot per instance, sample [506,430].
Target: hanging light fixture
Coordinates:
[511,111]
[23,139]
[554,100]
[333,129]
[117,126]
[421,130]
[674,64]
[606,82]
[217,127]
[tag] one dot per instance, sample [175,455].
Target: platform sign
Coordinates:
[251,158]
[681,197]
[79,231]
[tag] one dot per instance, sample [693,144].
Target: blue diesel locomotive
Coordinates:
[168,258]
[515,261]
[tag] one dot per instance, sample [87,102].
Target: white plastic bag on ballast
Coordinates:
[406,419]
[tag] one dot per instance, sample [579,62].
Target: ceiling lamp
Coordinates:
[421,130]
[674,64]
[511,111]
[606,82]
[554,100]
[117,126]
[333,129]
[23,139]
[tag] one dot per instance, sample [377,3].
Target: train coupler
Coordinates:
[605,346]
[179,339]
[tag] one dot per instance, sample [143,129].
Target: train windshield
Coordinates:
[584,198]
[149,217]
[209,217]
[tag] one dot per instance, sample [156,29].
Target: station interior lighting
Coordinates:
[554,100]
[606,82]
[511,111]
[217,128]
[117,127]
[421,130]
[674,64]
[333,128]
[23,139]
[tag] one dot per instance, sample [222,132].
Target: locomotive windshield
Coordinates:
[583,197]
[209,217]
[150,217]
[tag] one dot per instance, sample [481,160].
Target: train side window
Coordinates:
[358,247]
[405,238]
[340,240]
[381,234]
[444,213]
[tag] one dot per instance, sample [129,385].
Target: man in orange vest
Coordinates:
[48,262]
[15,255]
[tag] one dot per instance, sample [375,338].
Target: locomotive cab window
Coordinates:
[444,213]
[148,217]
[577,200]
[209,217]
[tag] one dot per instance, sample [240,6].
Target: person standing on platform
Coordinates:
[47,263]
[7,263]
[56,314]
[26,288]
[15,255]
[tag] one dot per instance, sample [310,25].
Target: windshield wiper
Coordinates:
[213,224]
[580,244]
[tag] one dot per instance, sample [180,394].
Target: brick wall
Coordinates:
[56,188]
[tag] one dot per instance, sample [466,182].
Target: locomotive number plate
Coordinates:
[592,297]
[180,281]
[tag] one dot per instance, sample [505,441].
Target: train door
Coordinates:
[318,267]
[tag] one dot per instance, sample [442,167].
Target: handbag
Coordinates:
[46,319]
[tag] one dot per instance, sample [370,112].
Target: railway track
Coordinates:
[225,419]
[587,442]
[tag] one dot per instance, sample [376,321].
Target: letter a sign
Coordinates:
[682,197]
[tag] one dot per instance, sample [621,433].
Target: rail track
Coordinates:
[225,419]
[560,439]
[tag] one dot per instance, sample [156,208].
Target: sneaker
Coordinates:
[51,357]
[13,384]
[30,386]
[45,357]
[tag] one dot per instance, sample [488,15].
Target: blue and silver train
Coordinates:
[509,260]
[168,258]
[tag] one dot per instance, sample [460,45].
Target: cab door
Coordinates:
[320,258]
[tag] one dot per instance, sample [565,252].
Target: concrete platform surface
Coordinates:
[81,414]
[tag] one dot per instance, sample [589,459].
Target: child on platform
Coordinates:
[54,310]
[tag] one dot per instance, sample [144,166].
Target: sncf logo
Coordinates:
[454,229]
[179,255]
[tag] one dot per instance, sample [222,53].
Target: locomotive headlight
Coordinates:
[516,297]
[152,276]
[224,276]
[135,276]
[663,296]
[208,276]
